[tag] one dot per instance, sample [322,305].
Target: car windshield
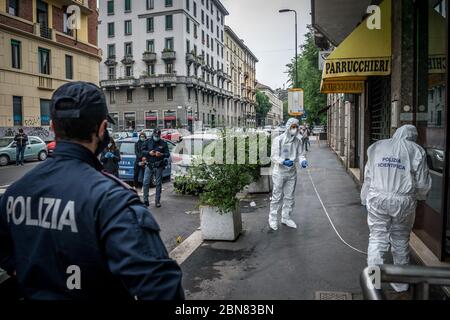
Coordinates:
[126,148]
[4,142]
[192,146]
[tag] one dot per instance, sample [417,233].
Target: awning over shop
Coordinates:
[170,118]
[364,53]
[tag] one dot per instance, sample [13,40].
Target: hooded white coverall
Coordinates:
[284,178]
[396,176]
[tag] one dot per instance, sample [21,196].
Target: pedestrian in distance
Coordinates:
[396,176]
[139,165]
[156,154]
[21,140]
[110,158]
[305,138]
[81,233]
[286,154]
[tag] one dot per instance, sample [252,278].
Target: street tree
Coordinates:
[263,107]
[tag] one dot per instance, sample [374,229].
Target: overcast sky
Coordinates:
[269,34]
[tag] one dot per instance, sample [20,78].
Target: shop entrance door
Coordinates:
[379,100]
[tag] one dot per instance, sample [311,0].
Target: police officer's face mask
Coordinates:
[156,138]
[103,143]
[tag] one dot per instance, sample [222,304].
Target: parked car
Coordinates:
[126,165]
[36,149]
[51,146]
[435,159]
[148,132]
[187,150]
[121,135]
[171,135]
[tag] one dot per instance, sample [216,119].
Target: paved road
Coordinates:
[12,173]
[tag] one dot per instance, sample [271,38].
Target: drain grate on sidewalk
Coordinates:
[331,295]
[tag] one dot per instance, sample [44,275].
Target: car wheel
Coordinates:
[4,160]
[42,155]
[153,182]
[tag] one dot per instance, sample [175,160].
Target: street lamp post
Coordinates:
[296,44]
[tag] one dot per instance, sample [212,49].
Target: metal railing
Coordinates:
[419,277]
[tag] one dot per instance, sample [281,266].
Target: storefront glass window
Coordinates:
[430,115]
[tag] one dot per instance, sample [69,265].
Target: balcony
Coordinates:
[220,73]
[191,58]
[111,61]
[159,80]
[117,83]
[149,57]
[45,83]
[168,55]
[45,31]
[127,60]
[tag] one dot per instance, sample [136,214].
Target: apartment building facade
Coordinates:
[39,53]
[163,62]
[275,115]
[241,69]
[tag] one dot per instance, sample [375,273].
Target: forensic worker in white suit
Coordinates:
[285,155]
[396,176]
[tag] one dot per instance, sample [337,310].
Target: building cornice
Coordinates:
[222,8]
[167,12]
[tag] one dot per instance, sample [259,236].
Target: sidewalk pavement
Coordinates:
[289,263]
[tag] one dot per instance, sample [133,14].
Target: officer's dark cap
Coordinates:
[157,132]
[79,100]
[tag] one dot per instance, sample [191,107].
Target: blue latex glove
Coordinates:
[109,155]
[288,163]
[303,162]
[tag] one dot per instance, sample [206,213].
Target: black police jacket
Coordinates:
[70,231]
[138,149]
[161,146]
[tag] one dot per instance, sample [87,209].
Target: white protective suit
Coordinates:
[284,178]
[396,176]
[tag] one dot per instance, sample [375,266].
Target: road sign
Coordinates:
[295,102]
[323,55]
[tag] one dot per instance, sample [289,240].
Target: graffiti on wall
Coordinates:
[42,132]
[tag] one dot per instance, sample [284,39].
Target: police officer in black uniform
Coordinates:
[68,230]
[156,153]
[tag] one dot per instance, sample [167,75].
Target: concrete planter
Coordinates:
[263,185]
[222,227]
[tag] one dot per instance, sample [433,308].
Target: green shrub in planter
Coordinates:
[225,178]
[224,182]
[187,185]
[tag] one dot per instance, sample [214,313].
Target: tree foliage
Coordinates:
[309,78]
[263,107]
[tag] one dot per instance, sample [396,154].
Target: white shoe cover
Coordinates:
[400,287]
[290,223]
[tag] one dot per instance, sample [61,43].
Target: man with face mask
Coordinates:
[156,153]
[285,155]
[396,176]
[69,230]
[138,164]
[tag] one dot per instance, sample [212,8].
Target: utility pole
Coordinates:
[296,44]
